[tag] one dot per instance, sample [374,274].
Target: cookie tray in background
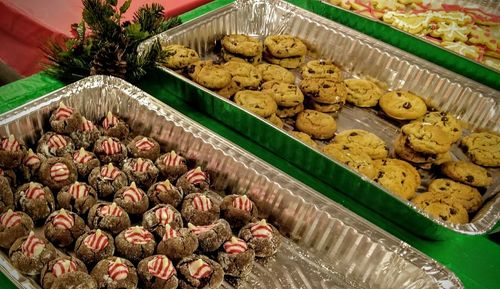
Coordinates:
[327,246]
[358,55]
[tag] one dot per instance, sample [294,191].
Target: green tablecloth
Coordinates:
[475,260]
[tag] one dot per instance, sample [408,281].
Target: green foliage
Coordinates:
[103,43]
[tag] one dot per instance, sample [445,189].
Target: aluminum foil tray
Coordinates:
[474,104]
[327,245]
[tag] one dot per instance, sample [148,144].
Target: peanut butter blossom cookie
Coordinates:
[144,147]
[171,165]
[141,171]
[52,144]
[132,199]
[200,209]
[6,195]
[238,210]
[114,126]
[30,167]
[156,219]
[211,237]
[85,162]
[110,150]
[194,181]
[107,180]
[165,193]
[58,172]
[78,197]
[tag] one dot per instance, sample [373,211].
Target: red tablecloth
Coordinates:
[26,26]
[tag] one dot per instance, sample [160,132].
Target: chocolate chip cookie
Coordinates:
[290,62]
[397,176]
[321,69]
[362,92]
[284,112]
[304,138]
[469,197]
[468,173]
[442,210]
[316,124]
[179,56]
[284,46]
[244,75]
[285,94]
[209,75]
[445,121]
[324,90]
[368,142]
[275,72]
[240,44]
[352,157]
[258,102]
[402,105]
[426,138]
[483,148]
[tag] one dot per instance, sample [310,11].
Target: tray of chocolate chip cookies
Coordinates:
[104,186]
[407,138]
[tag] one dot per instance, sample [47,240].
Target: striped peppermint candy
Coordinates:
[161,267]
[172,159]
[62,267]
[109,121]
[169,233]
[32,246]
[86,125]
[35,191]
[261,230]
[164,215]
[235,246]
[196,176]
[111,210]
[63,220]
[117,270]
[199,269]
[78,190]
[63,112]
[138,235]
[132,194]
[140,165]
[202,203]
[31,159]
[57,141]
[96,241]
[109,172]
[10,219]
[242,203]
[10,144]
[164,186]
[82,156]
[111,147]
[144,144]
[200,229]
[59,172]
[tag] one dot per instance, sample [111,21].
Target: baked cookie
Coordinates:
[324,90]
[426,138]
[209,75]
[483,148]
[370,143]
[316,124]
[109,217]
[77,197]
[362,92]
[229,90]
[14,225]
[94,246]
[156,219]
[86,135]
[54,145]
[397,176]
[6,195]
[144,147]
[468,173]
[262,237]
[404,151]
[469,197]
[402,105]
[75,279]
[114,273]
[244,75]
[353,157]
[62,228]
[110,150]
[304,138]
[258,102]
[274,119]
[57,173]
[132,199]
[451,32]
[242,45]
[285,94]
[35,200]
[448,212]
[321,69]
[60,266]
[114,126]
[179,56]
[275,72]
[157,272]
[290,63]
[324,107]
[135,244]
[483,36]
[30,167]
[84,162]
[284,46]
[254,60]
[30,253]
[65,119]
[446,122]
[284,112]
[198,271]
[141,171]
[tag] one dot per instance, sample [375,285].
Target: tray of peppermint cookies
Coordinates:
[407,138]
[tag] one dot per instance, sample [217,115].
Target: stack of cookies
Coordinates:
[242,48]
[284,50]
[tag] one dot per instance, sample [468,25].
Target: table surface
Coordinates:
[474,259]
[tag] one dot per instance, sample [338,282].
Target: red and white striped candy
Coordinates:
[117,270]
[169,232]
[11,144]
[164,215]
[62,267]
[31,158]
[32,246]
[172,159]
[202,203]
[82,156]
[63,220]
[87,125]
[199,269]
[138,236]
[57,141]
[109,172]
[164,186]
[78,190]
[59,172]
[10,219]
[242,203]
[196,176]
[140,165]
[235,246]
[63,112]
[111,147]
[96,241]
[35,191]
[144,144]
[109,121]
[261,230]
[111,210]
[200,229]
[132,194]
[161,267]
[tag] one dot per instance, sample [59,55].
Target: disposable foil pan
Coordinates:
[358,55]
[327,245]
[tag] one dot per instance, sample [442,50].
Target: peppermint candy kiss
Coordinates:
[63,112]
[10,219]
[10,144]
[82,156]
[161,267]
[63,220]
[62,267]
[144,144]
[164,186]
[78,190]
[87,125]
[117,270]
[261,230]
[199,269]
[172,159]
[111,147]
[169,233]
[242,203]
[140,165]
[138,235]
[32,246]
[235,246]
[200,229]
[35,191]
[196,176]
[109,172]
[96,241]
[31,159]
[202,203]
[164,215]
[110,120]
[57,141]
[59,172]
[111,210]
[132,194]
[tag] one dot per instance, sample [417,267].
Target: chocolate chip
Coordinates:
[443,113]
[293,45]
[190,69]
[442,188]
[453,211]
[380,174]
[291,86]
[469,179]
[192,54]
[444,118]
[345,148]
[404,174]
[407,105]
[237,83]
[455,129]
[398,94]
[488,174]
[326,86]
[322,62]
[310,70]
[353,134]
[330,71]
